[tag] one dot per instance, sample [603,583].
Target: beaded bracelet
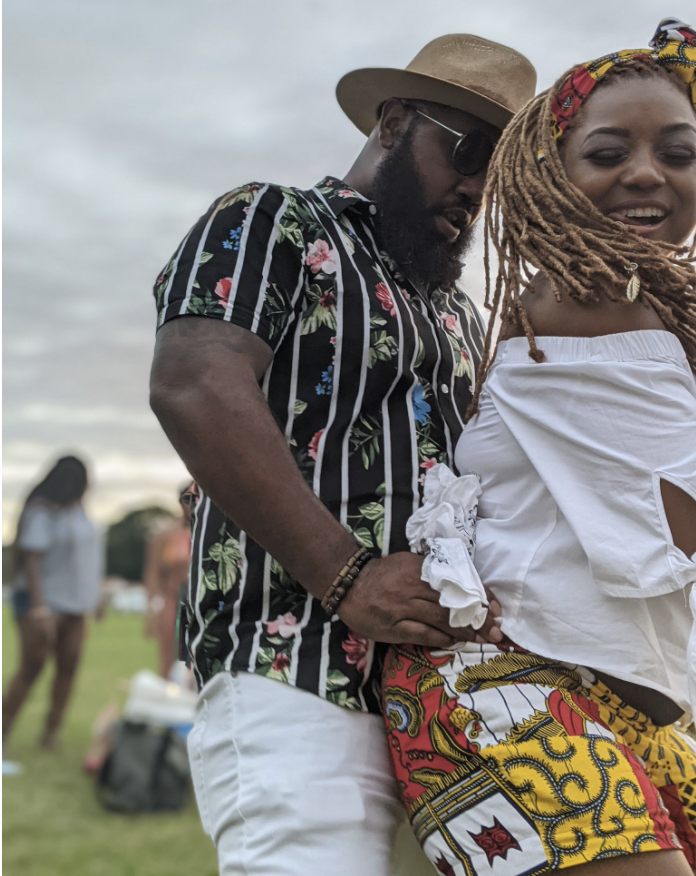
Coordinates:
[342,583]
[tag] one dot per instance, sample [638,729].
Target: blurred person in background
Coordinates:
[165,579]
[58,568]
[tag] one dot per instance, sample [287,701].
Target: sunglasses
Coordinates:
[472,152]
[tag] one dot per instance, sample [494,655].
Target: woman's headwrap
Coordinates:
[673,46]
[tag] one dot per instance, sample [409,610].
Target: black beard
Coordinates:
[405,226]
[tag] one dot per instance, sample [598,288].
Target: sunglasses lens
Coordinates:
[473,153]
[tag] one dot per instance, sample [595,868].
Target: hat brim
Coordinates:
[360,93]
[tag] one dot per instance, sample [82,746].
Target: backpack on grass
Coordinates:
[146,770]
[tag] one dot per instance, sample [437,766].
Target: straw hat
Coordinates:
[486,79]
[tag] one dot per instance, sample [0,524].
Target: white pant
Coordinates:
[290,785]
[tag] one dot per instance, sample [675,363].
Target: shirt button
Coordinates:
[373,209]
[444,388]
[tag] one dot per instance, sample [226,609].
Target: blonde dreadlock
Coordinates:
[536,216]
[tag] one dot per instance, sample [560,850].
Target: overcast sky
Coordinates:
[124,119]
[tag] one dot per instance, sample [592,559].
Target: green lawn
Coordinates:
[52,824]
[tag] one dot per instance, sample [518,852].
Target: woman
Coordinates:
[58,558]
[557,749]
[165,578]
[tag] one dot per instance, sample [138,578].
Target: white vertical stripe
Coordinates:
[436,378]
[309,601]
[196,261]
[232,629]
[293,315]
[324,660]
[385,408]
[364,363]
[175,265]
[201,587]
[267,264]
[246,229]
[294,372]
[264,612]
[316,484]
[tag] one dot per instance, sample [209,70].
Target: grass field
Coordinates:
[52,824]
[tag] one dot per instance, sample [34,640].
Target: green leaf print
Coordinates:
[341,698]
[205,257]
[246,194]
[321,310]
[266,655]
[300,407]
[379,532]
[336,679]
[228,556]
[204,304]
[383,347]
[363,536]
[372,510]
[210,582]
[365,437]
[290,231]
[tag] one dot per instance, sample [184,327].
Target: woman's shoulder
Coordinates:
[567,317]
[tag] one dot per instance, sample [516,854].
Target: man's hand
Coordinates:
[390,603]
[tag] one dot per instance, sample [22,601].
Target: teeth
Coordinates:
[643,212]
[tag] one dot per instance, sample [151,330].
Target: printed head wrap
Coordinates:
[673,46]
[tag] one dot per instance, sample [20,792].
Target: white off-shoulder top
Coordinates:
[572,535]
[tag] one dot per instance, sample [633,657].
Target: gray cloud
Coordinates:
[124,119]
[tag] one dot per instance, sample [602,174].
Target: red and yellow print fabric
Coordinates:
[673,46]
[502,754]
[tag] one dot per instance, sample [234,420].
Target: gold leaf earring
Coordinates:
[633,287]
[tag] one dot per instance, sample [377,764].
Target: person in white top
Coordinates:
[58,555]
[558,748]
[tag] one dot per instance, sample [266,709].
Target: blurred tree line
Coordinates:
[127,540]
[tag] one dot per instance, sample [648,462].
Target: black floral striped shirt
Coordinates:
[368,383]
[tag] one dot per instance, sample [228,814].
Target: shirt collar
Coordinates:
[338,196]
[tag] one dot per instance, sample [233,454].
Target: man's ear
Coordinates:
[393,122]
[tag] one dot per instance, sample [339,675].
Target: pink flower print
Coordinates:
[405,293]
[327,300]
[284,625]
[356,651]
[281,662]
[426,465]
[314,444]
[465,355]
[346,193]
[333,340]
[385,298]
[223,289]
[452,324]
[320,257]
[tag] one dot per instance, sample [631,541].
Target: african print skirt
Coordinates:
[513,765]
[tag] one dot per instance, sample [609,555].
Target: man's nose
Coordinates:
[472,187]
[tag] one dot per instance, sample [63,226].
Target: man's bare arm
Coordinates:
[205,392]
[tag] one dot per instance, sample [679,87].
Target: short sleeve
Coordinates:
[241,262]
[37,529]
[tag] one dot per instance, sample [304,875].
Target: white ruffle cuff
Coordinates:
[444,528]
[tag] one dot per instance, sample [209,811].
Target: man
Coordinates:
[323,365]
